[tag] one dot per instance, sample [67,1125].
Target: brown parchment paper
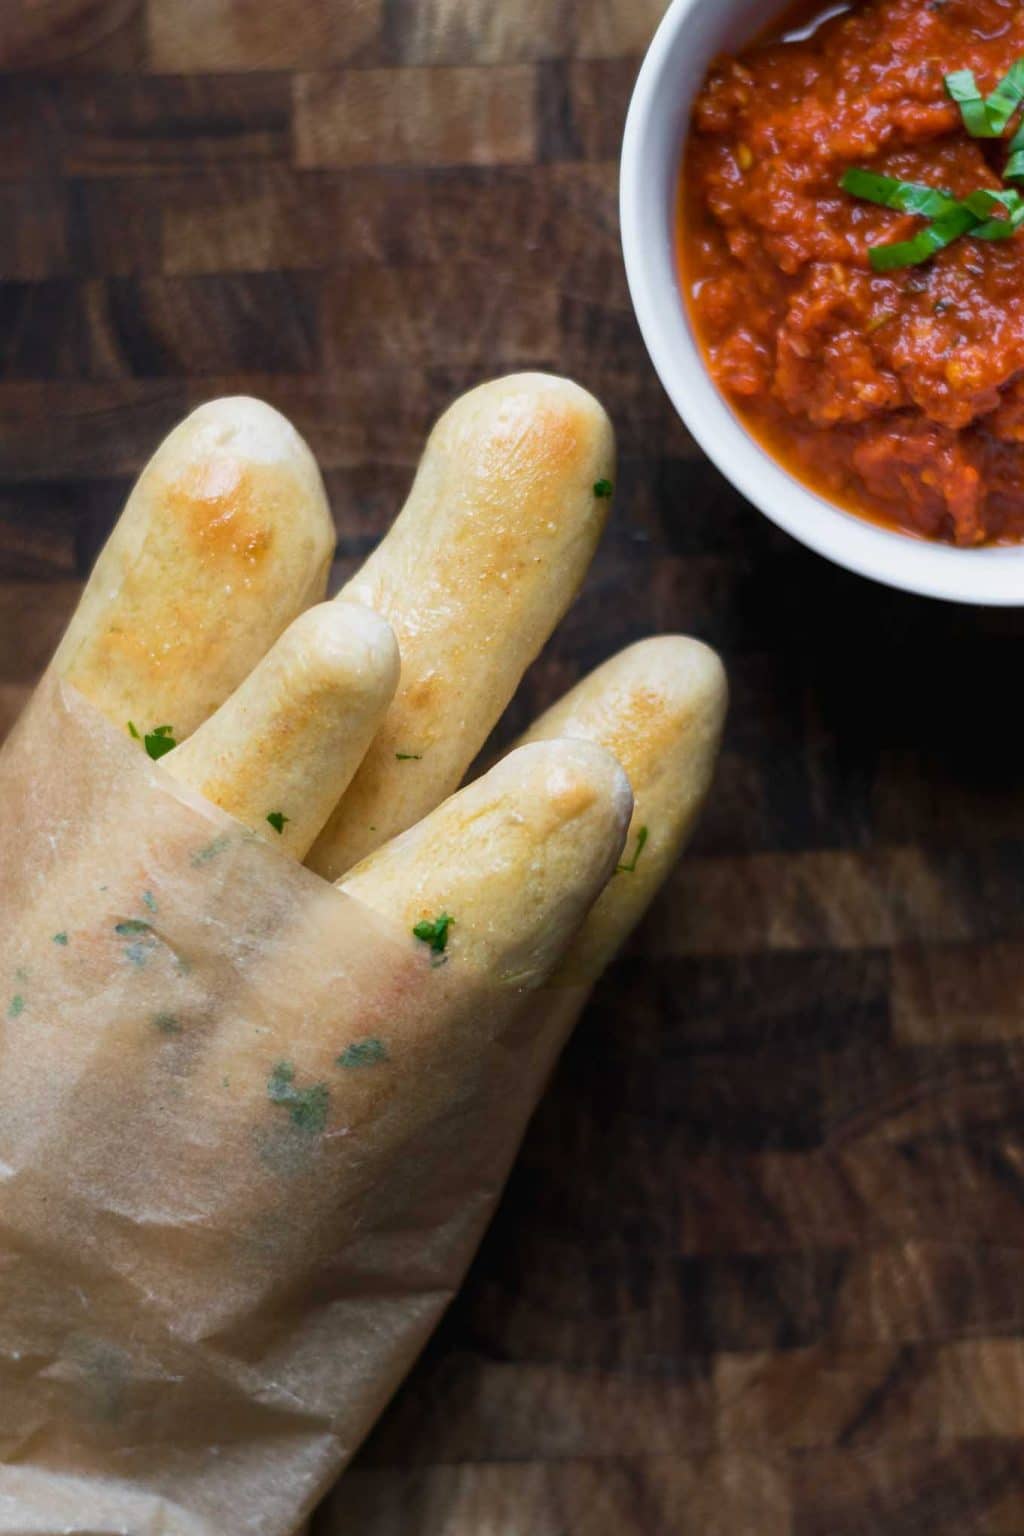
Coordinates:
[249,1140]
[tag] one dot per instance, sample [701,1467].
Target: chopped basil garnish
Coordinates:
[924,245]
[963,88]
[409,757]
[998,228]
[603,489]
[903,196]
[1014,168]
[951,217]
[984,215]
[277,820]
[987,117]
[1006,98]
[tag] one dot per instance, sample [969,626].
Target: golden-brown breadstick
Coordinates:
[488,552]
[282,749]
[225,539]
[659,707]
[496,880]
[514,860]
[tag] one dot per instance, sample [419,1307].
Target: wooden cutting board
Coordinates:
[758,1272]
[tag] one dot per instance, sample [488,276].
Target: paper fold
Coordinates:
[250,1137]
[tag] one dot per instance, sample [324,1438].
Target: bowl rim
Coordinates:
[990,576]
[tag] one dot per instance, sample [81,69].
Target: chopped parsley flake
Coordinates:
[137,929]
[157,742]
[307,1107]
[60,938]
[17,1006]
[363,1053]
[166,1023]
[409,757]
[434,931]
[603,489]
[641,839]
[149,900]
[160,741]
[204,855]
[277,820]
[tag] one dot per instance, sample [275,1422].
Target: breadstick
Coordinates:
[659,707]
[225,539]
[495,881]
[487,554]
[515,859]
[484,893]
[282,749]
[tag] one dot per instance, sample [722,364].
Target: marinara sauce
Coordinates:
[898,395]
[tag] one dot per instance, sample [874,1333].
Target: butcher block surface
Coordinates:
[758,1270]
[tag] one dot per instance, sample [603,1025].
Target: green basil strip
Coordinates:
[987,119]
[984,202]
[925,244]
[963,88]
[1000,229]
[1015,164]
[1005,99]
[903,196]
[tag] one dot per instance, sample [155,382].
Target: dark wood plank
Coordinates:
[756,1271]
[454,116]
[33,229]
[160,327]
[73,35]
[138,126]
[210,36]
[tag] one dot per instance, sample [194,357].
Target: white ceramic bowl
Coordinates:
[691,34]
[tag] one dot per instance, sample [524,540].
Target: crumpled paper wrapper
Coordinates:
[250,1137]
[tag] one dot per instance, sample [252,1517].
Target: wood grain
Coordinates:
[757,1270]
[449,116]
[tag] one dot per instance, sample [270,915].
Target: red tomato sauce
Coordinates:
[898,395]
